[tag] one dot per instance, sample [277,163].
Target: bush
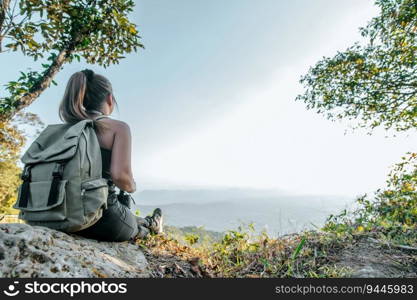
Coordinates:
[393,211]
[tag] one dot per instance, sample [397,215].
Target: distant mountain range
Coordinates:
[224,209]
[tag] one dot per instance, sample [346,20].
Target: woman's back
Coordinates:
[104,138]
[106,162]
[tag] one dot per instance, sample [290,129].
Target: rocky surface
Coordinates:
[35,251]
[370,259]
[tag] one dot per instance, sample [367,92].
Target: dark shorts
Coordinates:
[117,224]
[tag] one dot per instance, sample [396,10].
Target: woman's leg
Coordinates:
[143,230]
[117,224]
[154,223]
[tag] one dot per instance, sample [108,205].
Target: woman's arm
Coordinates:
[120,169]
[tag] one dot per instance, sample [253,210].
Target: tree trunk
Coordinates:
[42,85]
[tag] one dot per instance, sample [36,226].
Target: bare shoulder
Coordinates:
[112,129]
[117,126]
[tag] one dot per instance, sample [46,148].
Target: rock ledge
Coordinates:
[36,251]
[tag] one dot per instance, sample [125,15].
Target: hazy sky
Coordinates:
[210,101]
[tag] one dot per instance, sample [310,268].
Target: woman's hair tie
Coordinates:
[89,74]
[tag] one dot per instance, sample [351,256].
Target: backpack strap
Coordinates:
[57,177]
[24,193]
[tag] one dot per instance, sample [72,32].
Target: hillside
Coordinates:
[33,251]
[307,254]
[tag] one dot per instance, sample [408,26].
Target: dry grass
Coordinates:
[307,254]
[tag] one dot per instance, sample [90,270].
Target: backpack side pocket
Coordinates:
[37,208]
[94,195]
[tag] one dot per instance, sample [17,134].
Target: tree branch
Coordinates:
[44,82]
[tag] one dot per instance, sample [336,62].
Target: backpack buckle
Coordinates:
[57,176]
[26,173]
[58,170]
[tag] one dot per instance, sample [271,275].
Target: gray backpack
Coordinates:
[62,184]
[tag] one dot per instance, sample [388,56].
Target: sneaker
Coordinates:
[155,221]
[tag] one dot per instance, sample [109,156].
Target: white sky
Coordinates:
[271,141]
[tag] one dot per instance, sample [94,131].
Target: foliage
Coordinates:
[241,253]
[191,238]
[59,32]
[193,235]
[376,82]
[100,29]
[12,140]
[10,181]
[393,211]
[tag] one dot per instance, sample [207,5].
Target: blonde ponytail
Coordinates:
[71,109]
[85,92]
